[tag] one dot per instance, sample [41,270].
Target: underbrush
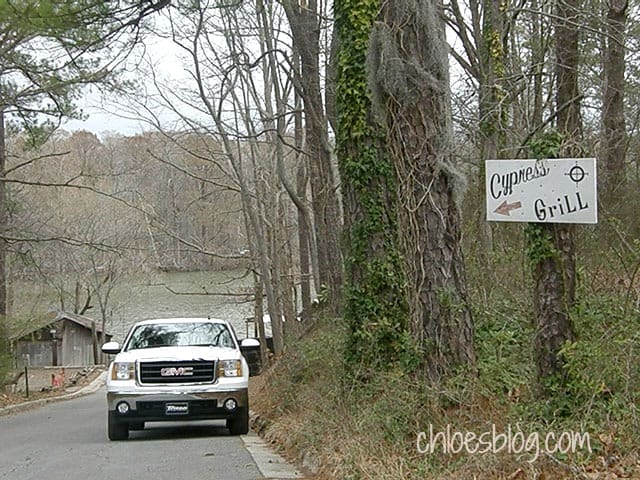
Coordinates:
[346,429]
[312,406]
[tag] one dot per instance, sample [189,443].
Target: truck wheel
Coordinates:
[117,430]
[239,425]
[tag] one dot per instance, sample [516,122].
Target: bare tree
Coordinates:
[3,217]
[305,21]
[483,33]
[84,45]
[276,132]
[234,106]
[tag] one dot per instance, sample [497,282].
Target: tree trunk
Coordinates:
[304,250]
[492,98]
[554,296]
[263,263]
[285,262]
[375,296]
[411,78]
[555,273]
[276,130]
[305,28]
[4,219]
[537,67]
[569,120]
[305,241]
[259,318]
[614,137]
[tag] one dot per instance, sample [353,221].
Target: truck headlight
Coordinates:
[122,371]
[230,368]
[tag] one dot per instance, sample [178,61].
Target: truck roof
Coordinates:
[181,320]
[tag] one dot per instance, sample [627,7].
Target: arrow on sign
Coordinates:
[505,208]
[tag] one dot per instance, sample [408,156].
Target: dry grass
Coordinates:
[348,432]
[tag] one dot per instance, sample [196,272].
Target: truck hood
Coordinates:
[178,354]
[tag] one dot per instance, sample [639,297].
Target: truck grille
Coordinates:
[197,371]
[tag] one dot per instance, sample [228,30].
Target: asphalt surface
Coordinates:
[67,440]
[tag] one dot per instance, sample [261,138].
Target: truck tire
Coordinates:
[117,430]
[239,425]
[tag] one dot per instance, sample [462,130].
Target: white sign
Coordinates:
[545,191]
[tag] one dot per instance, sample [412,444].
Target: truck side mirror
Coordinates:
[111,348]
[250,348]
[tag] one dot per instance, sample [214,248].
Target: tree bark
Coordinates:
[411,71]
[304,252]
[554,297]
[555,274]
[614,136]
[568,119]
[537,66]
[305,28]
[492,99]
[307,255]
[4,219]
[259,318]
[257,235]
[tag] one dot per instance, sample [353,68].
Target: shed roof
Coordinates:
[34,324]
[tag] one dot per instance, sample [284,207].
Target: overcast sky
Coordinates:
[105,115]
[102,123]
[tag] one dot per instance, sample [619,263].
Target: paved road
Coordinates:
[67,441]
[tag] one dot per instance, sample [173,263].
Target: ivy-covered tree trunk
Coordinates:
[375,305]
[410,81]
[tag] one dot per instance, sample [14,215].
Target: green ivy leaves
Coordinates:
[375,304]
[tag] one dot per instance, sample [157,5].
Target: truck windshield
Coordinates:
[181,335]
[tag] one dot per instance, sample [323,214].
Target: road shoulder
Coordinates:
[270,464]
[68,394]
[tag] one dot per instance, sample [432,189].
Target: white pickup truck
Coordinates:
[178,369]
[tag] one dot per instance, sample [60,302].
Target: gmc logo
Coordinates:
[176,372]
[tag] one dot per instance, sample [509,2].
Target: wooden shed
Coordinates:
[59,339]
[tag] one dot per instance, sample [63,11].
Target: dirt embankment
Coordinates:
[307,407]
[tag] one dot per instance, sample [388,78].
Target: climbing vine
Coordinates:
[375,301]
[540,245]
[493,54]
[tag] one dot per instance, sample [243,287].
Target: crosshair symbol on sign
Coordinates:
[576,174]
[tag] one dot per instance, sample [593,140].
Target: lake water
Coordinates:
[152,295]
[181,294]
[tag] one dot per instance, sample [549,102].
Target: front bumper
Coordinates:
[154,406]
